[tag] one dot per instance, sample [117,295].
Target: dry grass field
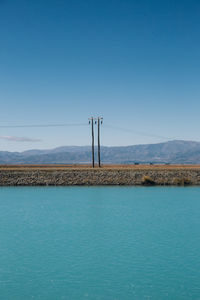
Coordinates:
[115,167]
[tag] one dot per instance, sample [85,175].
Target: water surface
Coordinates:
[99,243]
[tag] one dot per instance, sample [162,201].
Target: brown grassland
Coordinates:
[106,166]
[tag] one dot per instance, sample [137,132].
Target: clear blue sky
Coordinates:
[136,63]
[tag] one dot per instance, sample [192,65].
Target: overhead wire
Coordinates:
[141,133]
[42,125]
[137,132]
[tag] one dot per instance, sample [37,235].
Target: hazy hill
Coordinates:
[168,152]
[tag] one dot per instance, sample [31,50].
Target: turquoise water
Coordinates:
[99,243]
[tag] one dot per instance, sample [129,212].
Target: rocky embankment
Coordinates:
[123,176]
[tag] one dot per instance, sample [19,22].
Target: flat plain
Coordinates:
[106,166]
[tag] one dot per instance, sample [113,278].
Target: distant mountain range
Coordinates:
[175,152]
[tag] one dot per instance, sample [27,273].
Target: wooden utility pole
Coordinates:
[99,122]
[91,121]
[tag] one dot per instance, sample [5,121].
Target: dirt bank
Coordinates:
[108,175]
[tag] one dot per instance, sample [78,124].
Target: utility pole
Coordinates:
[91,121]
[99,122]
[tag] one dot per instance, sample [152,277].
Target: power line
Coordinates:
[138,132]
[141,133]
[41,125]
